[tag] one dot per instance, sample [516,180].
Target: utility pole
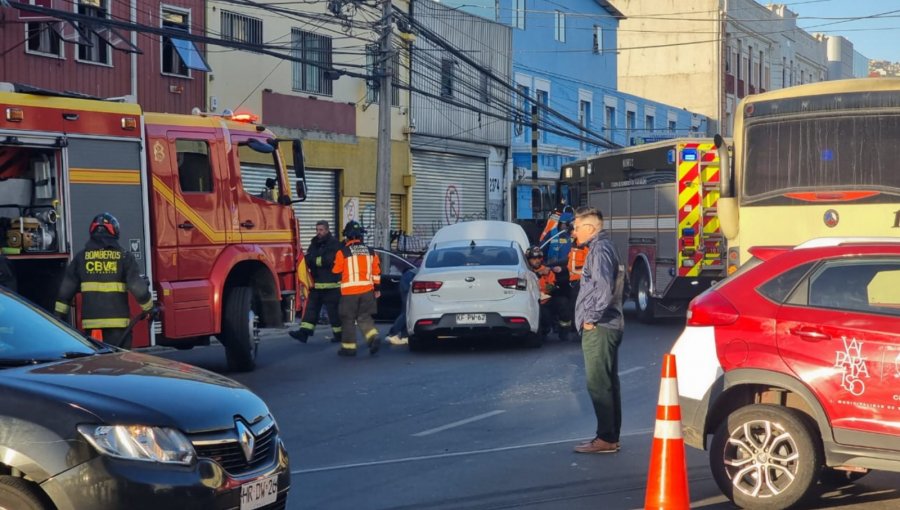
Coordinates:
[383,173]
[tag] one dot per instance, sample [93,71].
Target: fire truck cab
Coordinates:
[220,254]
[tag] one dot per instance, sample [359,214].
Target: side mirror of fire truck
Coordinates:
[299,170]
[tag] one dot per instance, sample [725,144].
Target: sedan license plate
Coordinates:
[259,493]
[471,318]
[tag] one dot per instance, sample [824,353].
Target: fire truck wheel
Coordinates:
[240,329]
[643,300]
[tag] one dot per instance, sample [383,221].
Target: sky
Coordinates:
[876,38]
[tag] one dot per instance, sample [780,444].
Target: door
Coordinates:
[838,333]
[201,204]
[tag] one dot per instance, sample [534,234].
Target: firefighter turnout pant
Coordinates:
[357,310]
[114,336]
[330,299]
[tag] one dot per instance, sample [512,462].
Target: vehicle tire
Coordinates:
[830,477]
[240,329]
[644,302]
[419,343]
[534,340]
[19,494]
[765,457]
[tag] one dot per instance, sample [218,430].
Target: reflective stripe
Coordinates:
[61,307]
[103,287]
[147,306]
[307,325]
[372,333]
[350,347]
[356,284]
[327,285]
[104,323]
[319,261]
[337,330]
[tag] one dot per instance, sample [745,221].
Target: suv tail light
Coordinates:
[516,283]
[422,287]
[711,309]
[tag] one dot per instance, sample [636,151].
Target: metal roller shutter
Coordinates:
[321,200]
[367,214]
[449,188]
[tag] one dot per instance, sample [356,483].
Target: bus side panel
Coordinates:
[105,176]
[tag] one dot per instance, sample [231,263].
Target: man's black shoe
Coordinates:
[346,352]
[299,334]
[374,345]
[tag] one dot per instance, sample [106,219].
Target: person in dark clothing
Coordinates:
[598,316]
[104,273]
[399,334]
[7,275]
[326,289]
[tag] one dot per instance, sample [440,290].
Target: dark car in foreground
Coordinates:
[85,426]
[791,365]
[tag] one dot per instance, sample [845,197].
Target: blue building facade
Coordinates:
[565,57]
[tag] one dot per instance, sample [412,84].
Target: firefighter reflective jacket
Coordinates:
[546,282]
[320,260]
[104,273]
[359,268]
[576,261]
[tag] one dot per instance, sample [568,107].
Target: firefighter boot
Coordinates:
[299,334]
[343,351]
[374,342]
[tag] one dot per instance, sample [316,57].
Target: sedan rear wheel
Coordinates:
[764,457]
[19,494]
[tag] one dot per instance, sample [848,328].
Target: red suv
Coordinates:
[792,364]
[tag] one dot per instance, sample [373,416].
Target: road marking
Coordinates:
[630,370]
[458,423]
[641,432]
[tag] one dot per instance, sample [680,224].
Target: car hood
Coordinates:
[134,388]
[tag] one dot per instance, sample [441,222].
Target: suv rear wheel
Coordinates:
[764,457]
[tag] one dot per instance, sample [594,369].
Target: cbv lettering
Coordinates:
[101,267]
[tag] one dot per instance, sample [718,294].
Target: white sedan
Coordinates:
[474,281]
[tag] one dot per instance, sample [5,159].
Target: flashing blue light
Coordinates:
[670,156]
[689,155]
[827,155]
[688,232]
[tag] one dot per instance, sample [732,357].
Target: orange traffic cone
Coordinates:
[667,485]
[97,334]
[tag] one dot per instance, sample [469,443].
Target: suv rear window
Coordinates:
[472,256]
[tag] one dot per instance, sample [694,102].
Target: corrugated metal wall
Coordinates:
[367,214]
[321,200]
[449,188]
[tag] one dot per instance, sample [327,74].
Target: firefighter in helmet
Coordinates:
[104,273]
[554,306]
[360,272]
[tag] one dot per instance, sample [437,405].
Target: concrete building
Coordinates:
[460,140]
[336,115]
[708,54]
[45,50]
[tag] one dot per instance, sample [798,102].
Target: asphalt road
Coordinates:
[486,426]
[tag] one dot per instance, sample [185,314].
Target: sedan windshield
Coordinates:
[472,256]
[30,334]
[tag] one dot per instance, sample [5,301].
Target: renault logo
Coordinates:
[245,438]
[470,279]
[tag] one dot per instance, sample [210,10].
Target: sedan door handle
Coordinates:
[248,224]
[187,225]
[809,334]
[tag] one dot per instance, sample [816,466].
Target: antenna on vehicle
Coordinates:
[472,244]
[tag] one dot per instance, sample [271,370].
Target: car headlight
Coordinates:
[140,442]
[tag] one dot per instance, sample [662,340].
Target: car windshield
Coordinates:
[28,334]
[472,256]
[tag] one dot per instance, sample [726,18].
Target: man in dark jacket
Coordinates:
[7,275]
[326,287]
[598,316]
[104,273]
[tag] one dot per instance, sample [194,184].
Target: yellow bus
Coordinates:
[817,160]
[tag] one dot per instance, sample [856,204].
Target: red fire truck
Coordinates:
[221,256]
[659,205]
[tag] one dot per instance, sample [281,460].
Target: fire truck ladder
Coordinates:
[710,233]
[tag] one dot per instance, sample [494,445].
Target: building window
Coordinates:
[560,34]
[672,126]
[610,121]
[240,28]
[313,52]
[524,111]
[447,66]
[630,121]
[179,56]
[94,48]
[649,122]
[598,40]
[484,88]
[43,38]
[767,78]
[519,14]
[584,118]
[543,100]
[373,85]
